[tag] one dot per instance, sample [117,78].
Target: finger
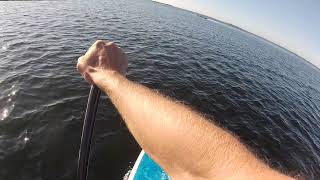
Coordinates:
[100,44]
[81,64]
[80,59]
[88,78]
[100,61]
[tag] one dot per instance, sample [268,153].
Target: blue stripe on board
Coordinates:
[149,170]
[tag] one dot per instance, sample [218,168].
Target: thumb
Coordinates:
[81,65]
[82,68]
[88,78]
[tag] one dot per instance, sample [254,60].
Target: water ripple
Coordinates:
[7,103]
[265,95]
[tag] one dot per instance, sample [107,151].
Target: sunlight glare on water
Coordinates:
[26,139]
[4,114]
[267,96]
[7,107]
[4,47]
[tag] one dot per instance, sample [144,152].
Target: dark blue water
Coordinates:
[266,95]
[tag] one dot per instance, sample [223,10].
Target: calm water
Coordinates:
[267,96]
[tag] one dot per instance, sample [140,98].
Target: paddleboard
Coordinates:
[146,169]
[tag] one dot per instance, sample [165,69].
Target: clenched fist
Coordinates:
[102,57]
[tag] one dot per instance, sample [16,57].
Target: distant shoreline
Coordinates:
[236,27]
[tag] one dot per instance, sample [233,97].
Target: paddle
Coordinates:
[87,132]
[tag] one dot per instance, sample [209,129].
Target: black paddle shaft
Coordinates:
[87,132]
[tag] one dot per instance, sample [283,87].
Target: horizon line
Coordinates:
[242,29]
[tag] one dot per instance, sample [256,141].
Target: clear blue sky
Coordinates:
[293,24]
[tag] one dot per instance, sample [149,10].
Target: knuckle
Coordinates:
[80,59]
[99,44]
[81,64]
[111,44]
[80,67]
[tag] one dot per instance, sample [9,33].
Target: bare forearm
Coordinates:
[183,142]
[179,139]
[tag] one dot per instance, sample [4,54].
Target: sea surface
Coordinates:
[264,94]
